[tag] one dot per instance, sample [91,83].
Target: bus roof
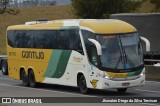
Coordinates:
[101,26]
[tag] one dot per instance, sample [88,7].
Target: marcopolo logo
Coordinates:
[32,55]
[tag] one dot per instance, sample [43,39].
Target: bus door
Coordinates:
[93,72]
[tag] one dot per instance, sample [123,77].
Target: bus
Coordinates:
[83,53]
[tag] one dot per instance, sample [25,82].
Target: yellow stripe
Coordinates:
[117,75]
[112,27]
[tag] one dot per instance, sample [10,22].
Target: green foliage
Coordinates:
[156,2]
[4,9]
[102,8]
[3,5]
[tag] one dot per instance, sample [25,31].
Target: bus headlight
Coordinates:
[142,73]
[105,75]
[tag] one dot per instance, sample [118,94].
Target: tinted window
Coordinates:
[11,38]
[45,39]
[17,38]
[86,36]
[74,40]
[63,40]
[29,39]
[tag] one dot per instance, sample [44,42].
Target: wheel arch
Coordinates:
[3,59]
[2,62]
[29,70]
[78,77]
[20,71]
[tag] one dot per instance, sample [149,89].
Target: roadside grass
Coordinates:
[50,13]
[31,14]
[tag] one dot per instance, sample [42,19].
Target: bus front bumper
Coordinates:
[109,83]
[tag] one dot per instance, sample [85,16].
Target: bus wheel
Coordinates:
[4,68]
[122,90]
[24,78]
[82,85]
[32,81]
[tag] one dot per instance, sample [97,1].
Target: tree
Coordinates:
[36,2]
[53,3]
[102,8]
[3,7]
[156,2]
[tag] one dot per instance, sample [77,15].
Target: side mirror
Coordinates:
[147,43]
[98,46]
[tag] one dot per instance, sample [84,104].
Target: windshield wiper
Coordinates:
[123,53]
[119,60]
[126,59]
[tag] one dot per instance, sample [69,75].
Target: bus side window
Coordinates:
[63,40]
[44,43]
[86,35]
[66,40]
[93,55]
[54,40]
[60,40]
[51,39]
[39,39]
[29,39]
[20,39]
[35,39]
[11,38]
[48,40]
[74,41]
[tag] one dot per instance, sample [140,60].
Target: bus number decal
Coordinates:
[12,53]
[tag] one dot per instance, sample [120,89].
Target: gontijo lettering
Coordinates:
[32,55]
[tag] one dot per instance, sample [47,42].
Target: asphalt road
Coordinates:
[14,88]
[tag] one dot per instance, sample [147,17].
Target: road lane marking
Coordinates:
[48,90]
[147,90]
[149,104]
[153,81]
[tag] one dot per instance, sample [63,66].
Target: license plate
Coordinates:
[126,84]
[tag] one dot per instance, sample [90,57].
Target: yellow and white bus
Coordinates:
[84,53]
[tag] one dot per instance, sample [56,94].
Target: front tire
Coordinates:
[82,85]
[122,90]
[32,80]
[4,68]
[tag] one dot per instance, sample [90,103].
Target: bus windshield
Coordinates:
[122,51]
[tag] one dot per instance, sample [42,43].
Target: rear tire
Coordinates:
[4,68]
[32,80]
[24,78]
[82,85]
[122,90]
